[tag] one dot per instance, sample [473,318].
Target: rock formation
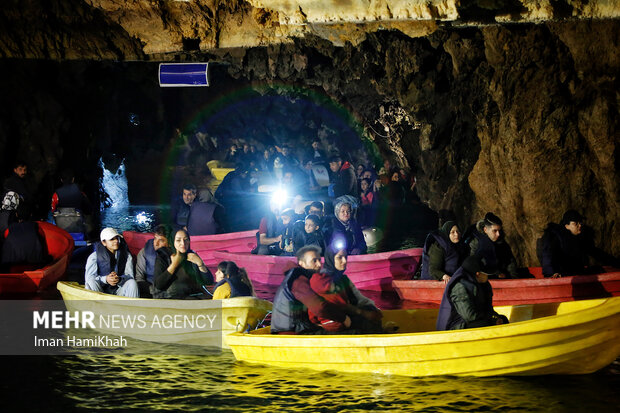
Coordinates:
[495,106]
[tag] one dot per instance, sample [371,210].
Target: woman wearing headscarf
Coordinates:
[179,271]
[334,286]
[345,227]
[443,253]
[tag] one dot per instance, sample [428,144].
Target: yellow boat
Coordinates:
[194,327]
[576,337]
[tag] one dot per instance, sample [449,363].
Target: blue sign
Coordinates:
[183,74]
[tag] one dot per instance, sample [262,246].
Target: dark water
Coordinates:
[216,382]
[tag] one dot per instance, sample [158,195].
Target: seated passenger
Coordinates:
[110,268]
[179,271]
[182,206]
[145,262]
[488,242]
[24,246]
[203,218]
[443,253]
[269,232]
[345,227]
[286,243]
[565,249]
[232,281]
[295,297]
[343,180]
[334,286]
[309,234]
[468,298]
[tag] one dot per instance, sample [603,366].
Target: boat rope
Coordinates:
[261,323]
[209,292]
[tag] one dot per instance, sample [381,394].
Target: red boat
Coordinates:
[59,246]
[368,272]
[523,291]
[203,245]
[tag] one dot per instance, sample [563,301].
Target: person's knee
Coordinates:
[93,285]
[129,288]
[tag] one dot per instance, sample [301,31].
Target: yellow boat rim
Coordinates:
[576,337]
[237,314]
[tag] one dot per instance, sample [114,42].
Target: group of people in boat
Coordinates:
[165,268]
[466,264]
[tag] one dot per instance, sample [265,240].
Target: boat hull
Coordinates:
[60,247]
[576,337]
[237,314]
[522,291]
[368,272]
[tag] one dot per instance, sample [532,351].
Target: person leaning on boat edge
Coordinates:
[564,248]
[443,253]
[103,266]
[468,298]
[179,272]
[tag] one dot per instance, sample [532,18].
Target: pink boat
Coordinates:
[523,291]
[203,245]
[368,272]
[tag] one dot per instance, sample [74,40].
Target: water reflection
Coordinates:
[141,218]
[217,383]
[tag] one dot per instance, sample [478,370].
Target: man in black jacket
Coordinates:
[564,248]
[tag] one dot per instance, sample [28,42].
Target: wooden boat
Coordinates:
[576,337]
[59,246]
[236,314]
[203,245]
[522,291]
[368,272]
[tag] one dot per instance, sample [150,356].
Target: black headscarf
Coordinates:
[329,266]
[447,227]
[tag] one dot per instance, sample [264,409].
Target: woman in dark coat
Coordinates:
[347,228]
[179,271]
[443,253]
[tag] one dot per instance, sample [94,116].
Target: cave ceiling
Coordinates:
[148,29]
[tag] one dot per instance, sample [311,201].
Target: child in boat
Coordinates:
[286,244]
[232,281]
[310,235]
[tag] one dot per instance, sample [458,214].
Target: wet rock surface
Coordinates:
[518,119]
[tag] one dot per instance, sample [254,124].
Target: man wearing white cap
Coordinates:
[110,268]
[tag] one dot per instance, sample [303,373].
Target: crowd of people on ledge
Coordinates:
[310,225]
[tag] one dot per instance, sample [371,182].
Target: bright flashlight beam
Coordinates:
[279,197]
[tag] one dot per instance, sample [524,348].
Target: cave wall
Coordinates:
[519,119]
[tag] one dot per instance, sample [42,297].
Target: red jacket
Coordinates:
[323,285]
